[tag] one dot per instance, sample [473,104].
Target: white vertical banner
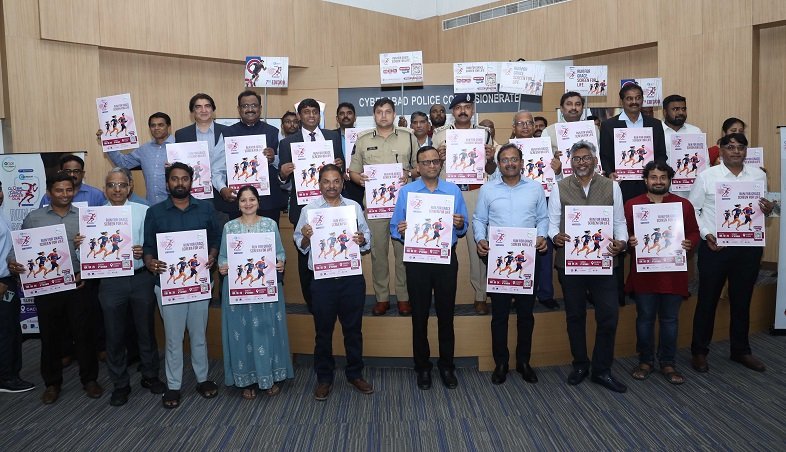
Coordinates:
[780,300]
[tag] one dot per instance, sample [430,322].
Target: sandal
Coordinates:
[249,393]
[207,389]
[672,376]
[642,371]
[274,390]
[171,399]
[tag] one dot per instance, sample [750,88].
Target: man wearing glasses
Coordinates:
[74,166]
[587,188]
[717,264]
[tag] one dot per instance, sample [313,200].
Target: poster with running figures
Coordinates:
[24,184]
[632,150]
[106,250]
[651,87]
[116,122]
[520,77]
[333,252]
[536,159]
[252,272]
[44,253]
[465,156]
[266,72]
[511,257]
[689,158]
[350,138]
[590,229]
[755,157]
[195,155]
[738,218]
[382,186]
[569,133]
[187,277]
[429,233]
[587,80]
[309,157]
[246,163]
[28,315]
[475,77]
[660,231]
[401,67]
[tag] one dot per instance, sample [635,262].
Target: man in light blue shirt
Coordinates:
[151,156]
[425,278]
[74,166]
[336,298]
[511,201]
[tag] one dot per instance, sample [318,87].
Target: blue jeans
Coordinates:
[667,308]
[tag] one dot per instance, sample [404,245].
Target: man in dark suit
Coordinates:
[309,113]
[631,96]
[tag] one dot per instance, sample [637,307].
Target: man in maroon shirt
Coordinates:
[658,293]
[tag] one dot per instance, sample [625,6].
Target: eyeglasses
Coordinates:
[72,171]
[121,185]
[735,147]
[524,123]
[580,159]
[249,106]
[435,162]
[509,160]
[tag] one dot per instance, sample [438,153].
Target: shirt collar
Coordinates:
[210,128]
[72,209]
[322,202]
[625,115]
[726,171]
[168,204]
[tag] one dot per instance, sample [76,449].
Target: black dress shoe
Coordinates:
[527,373]
[424,379]
[606,380]
[120,396]
[550,303]
[448,378]
[500,374]
[577,376]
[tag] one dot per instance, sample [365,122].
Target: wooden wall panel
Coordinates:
[768,11]
[154,26]
[634,63]
[71,21]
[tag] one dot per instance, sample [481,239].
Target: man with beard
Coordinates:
[437,116]
[289,125]
[571,105]
[463,109]
[675,113]
[540,125]
[658,294]
[182,212]
[345,118]
[587,188]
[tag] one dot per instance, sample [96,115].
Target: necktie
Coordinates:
[313,136]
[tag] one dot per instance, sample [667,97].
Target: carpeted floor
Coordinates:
[731,408]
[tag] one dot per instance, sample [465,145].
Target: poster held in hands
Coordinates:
[252,275]
[590,230]
[429,234]
[187,277]
[116,122]
[106,250]
[47,259]
[333,252]
[195,155]
[511,260]
[660,230]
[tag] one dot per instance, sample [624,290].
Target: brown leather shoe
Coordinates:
[750,362]
[322,391]
[50,395]
[404,308]
[699,363]
[380,308]
[481,307]
[93,389]
[362,385]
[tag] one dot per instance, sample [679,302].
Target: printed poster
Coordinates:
[401,67]
[187,277]
[569,133]
[587,80]
[475,77]
[195,155]
[350,138]
[266,72]
[738,218]
[24,184]
[382,186]
[688,156]
[591,230]
[106,250]
[252,275]
[652,89]
[116,121]
[755,157]
[246,163]
[520,77]
[632,150]
[309,157]
[333,252]
[511,257]
[28,315]
[537,157]
[44,251]
[429,233]
[465,156]
[660,231]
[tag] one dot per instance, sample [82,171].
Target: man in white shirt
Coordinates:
[675,113]
[717,264]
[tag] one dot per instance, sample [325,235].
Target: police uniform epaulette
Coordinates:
[365,132]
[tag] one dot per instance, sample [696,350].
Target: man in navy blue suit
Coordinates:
[309,113]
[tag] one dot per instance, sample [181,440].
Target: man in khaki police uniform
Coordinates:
[463,108]
[385,144]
